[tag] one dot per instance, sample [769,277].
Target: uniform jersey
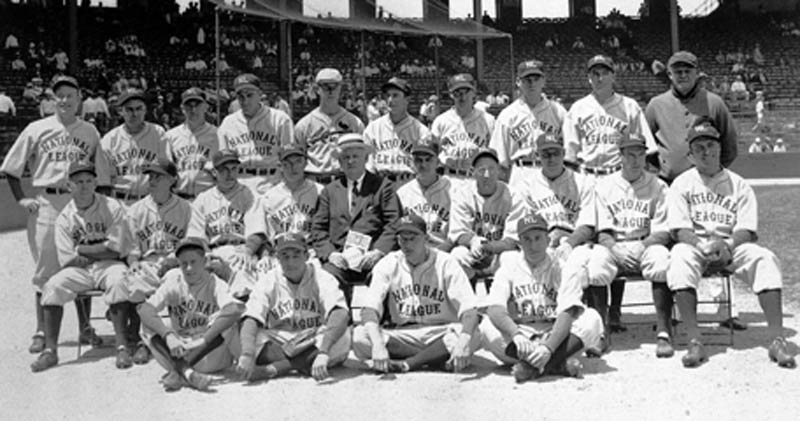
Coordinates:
[220,218]
[475,215]
[256,139]
[192,308]
[392,143]
[518,126]
[190,151]
[280,210]
[318,132]
[435,292]
[532,294]
[102,222]
[592,130]
[566,202]
[431,204]
[276,303]
[718,206]
[156,230]
[121,157]
[461,138]
[631,211]
[48,148]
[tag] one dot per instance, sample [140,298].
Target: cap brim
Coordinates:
[529,72]
[292,153]
[364,146]
[461,85]
[227,161]
[386,86]
[89,170]
[246,86]
[484,154]
[127,99]
[192,98]
[531,228]
[409,228]
[682,61]
[292,245]
[64,82]
[423,152]
[630,144]
[602,64]
[155,170]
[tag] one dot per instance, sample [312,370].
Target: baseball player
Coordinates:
[201,337]
[430,303]
[479,214]
[156,224]
[90,236]
[255,132]
[319,130]
[296,318]
[428,196]
[48,147]
[191,144]
[393,135]
[523,121]
[219,218]
[632,225]
[127,149]
[461,130]
[536,319]
[713,214]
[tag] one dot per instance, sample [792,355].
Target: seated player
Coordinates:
[201,337]
[431,306]
[537,320]
[296,318]
[713,214]
[90,236]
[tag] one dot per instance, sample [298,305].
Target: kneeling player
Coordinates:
[537,319]
[296,318]
[430,302]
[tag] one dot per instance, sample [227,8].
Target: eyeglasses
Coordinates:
[547,154]
[329,86]
[458,93]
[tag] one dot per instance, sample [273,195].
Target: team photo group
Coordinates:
[263,248]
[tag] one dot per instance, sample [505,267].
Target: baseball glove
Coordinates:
[719,258]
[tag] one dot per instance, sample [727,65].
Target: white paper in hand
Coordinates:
[355,247]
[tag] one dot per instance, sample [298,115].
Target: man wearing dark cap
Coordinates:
[521,123]
[41,147]
[90,238]
[671,115]
[191,145]
[393,135]
[712,212]
[255,132]
[431,306]
[536,319]
[127,149]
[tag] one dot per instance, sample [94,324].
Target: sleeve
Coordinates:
[65,247]
[358,123]
[570,291]
[499,140]
[166,292]
[197,223]
[678,213]
[17,157]
[320,224]
[572,141]
[727,131]
[260,301]
[390,208]
[380,284]
[500,292]
[105,172]
[659,222]
[459,290]
[461,216]
[747,205]
[330,295]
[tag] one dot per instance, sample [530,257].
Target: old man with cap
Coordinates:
[353,227]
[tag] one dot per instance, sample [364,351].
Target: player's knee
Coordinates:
[361,345]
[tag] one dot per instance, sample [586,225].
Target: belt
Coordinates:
[56,190]
[525,162]
[398,176]
[639,238]
[454,171]
[601,171]
[257,171]
[119,194]
[186,196]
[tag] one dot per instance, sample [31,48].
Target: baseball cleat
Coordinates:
[779,354]
[90,337]
[695,356]
[522,372]
[172,381]
[142,354]
[664,348]
[47,359]
[396,366]
[124,359]
[37,343]
[574,368]
[197,380]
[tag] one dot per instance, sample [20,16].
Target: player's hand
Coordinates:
[477,246]
[319,370]
[338,260]
[31,205]
[192,344]
[539,357]
[564,249]
[245,366]
[218,267]
[175,345]
[380,357]
[524,346]
[556,235]
[706,247]
[370,259]
[461,356]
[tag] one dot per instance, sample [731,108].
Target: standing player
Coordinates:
[430,303]
[127,149]
[393,135]
[202,317]
[536,318]
[713,214]
[90,237]
[521,123]
[191,144]
[428,196]
[319,130]
[48,147]
[278,334]
[461,130]
[255,132]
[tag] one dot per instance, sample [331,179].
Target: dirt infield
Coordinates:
[629,383]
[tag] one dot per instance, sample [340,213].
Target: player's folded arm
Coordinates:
[657,238]
[741,237]
[335,328]
[606,238]
[247,335]
[228,315]
[151,320]
[686,235]
[581,235]
[500,318]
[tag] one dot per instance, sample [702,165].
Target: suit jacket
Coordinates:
[376,210]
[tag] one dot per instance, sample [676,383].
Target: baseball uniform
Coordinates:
[475,215]
[459,139]
[48,147]
[318,133]
[190,151]
[122,157]
[431,204]
[392,144]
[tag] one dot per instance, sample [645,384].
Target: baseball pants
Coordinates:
[66,284]
[519,175]
[590,265]
[752,264]
[653,264]
[41,236]
[338,352]
[412,337]
[220,358]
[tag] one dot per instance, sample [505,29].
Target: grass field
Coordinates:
[779,230]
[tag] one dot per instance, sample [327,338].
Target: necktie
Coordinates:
[353,195]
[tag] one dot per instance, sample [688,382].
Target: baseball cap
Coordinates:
[351,140]
[64,80]
[81,166]
[632,139]
[433,98]
[328,75]
[161,166]
[600,60]
[461,80]
[683,57]
[193,94]
[291,240]
[191,242]
[130,94]
[246,80]
[548,140]
[530,67]
[484,152]
[531,222]
[397,83]
[292,149]
[425,147]
[411,223]
[703,130]
[224,156]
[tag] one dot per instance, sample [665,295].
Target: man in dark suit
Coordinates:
[353,224]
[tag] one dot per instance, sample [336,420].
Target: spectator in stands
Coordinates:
[429,110]
[434,42]
[95,108]
[578,44]
[111,46]
[272,49]
[739,89]
[720,57]
[6,104]
[305,55]
[277,102]
[47,103]
[38,87]
[30,93]
[222,64]
[18,64]
[759,110]
[758,57]
[549,43]
[201,36]
[373,113]
[12,43]
[757,146]
[779,146]
[174,40]
[33,54]
[257,63]
[481,104]
[61,60]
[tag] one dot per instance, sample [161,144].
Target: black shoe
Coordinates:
[47,359]
[779,354]
[695,356]
[664,348]
[90,337]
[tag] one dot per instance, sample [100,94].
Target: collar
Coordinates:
[691,94]
[359,182]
